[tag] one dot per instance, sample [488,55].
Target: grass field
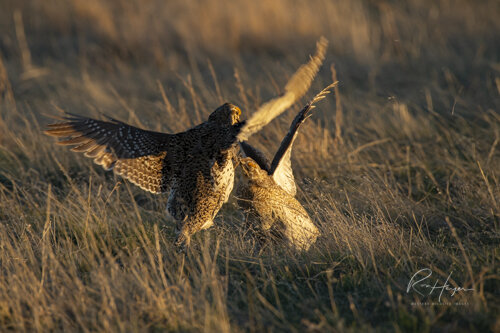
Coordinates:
[400,169]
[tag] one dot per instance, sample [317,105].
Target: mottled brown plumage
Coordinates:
[195,166]
[271,211]
[268,191]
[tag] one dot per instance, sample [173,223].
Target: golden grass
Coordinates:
[400,171]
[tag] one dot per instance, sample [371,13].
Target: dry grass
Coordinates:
[413,181]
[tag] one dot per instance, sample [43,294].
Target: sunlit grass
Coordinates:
[412,182]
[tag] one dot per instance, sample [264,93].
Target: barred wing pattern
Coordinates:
[137,155]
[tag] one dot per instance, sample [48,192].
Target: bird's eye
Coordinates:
[238,111]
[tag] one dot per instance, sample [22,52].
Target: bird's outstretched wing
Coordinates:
[281,166]
[294,89]
[137,155]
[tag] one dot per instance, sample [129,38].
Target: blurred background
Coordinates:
[400,168]
[387,48]
[398,62]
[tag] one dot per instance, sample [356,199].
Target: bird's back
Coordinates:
[270,209]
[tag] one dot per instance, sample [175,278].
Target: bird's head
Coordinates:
[252,170]
[227,114]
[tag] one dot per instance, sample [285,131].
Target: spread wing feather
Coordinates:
[296,87]
[137,155]
[281,166]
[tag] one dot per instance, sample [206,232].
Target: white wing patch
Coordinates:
[283,175]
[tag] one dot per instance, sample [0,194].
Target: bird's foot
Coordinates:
[182,243]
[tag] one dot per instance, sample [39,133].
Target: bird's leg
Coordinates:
[191,225]
[185,230]
[182,242]
[183,237]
